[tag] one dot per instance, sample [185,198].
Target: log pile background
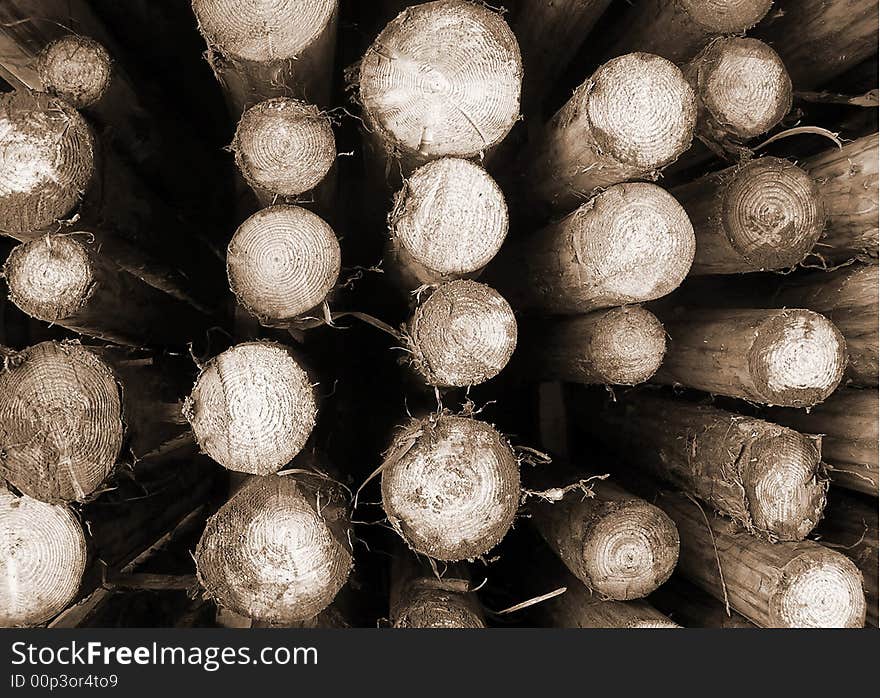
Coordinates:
[343,313]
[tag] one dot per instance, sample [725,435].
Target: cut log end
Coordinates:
[819,589]
[46,160]
[76,68]
[464,334]
[450,218]
[284,146]
[425,605]
[726,16]
[61,422]
[276,551]
[451,487]
[263,30]
[772,214]
[252,408]
[282,262]
[442,78]
[642,110]
[626,346]
[797,358]
[43,557]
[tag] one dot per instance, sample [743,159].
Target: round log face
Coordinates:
[252,408]
[464,334]
[46,160]
[42,559]
[443,78]
[726,16]
[61,422]
[451,487]
[75,68]
[284,146]
[263,30]
[625,347]
[275,551]
[436,608]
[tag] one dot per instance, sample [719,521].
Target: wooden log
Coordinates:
[442,78]
[762,215]
[463,334]
[75,68]
[265,49]
[278,550]
[282,262]
[621,346]
[252,408]
[631,243]
[420,599]
[819,40]
[850,526]
[847,422]
[767,478]
[450,486]
[847,181]
[617,544]
[68,411]
[781,585]
[632,117]
[448,221]
[694,608]
[64,281]
[789,357]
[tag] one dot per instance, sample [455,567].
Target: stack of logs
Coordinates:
[681,253]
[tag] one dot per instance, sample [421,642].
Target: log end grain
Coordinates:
[43,557]
[284,146]
[449,220]
[276,551]
[451,487]
[263,30]
[252,408]
[61,421]
[463,334]
[75,68]
[442,78]
[46,160]
[282,262]
[424,605]
[726,16]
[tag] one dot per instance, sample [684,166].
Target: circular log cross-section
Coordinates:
[451,487]
[284,147]
[46,161]
[75,68]
[282,262]
[277,550]
[61,421]
[442,78]
[43,557]
[424,603]
[463,334]
[252,408]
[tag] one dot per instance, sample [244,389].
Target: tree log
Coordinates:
[419,599]
[694,608]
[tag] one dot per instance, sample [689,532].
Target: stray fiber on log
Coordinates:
[788,357]
[63,281]
[442,78]
[621,346]
[762,215]
[694,608]
[848,423]
[420,599]
[283,148]
[620,546]
[43,556]
[632,117]
[847,181]
[278,550]
[75,68]
[252,408]
[631,243]
[449,220]
[260,49]
[462,335]
[67,411]
[282,262]
[678,29]
[767,478]
[450,486]
[774,585]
